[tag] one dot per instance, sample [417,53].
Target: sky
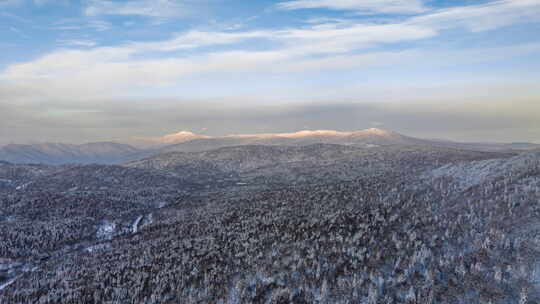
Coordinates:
[98,70]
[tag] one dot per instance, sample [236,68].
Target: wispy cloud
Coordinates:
[482,17]
[128,64]
[76,25]
[196,39]
[15,17]
[78,42]
[336,38]
[359,6]
[100,25]
[149,8]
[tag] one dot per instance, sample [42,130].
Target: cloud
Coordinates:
[99,25]
[107,68]
[482,17]
[104,71]
[79,43]
[315,39]
[77,25]
[332,38]
[196,39]
[15,17]
[148,8]
[359,6]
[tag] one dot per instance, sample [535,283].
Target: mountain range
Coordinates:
[184,141]
[56,153]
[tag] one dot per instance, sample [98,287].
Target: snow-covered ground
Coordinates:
[22,187]
[474,173]
[106,230]
[98,247]
[3,286]
[135,226]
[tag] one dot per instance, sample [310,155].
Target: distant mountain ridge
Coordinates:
[56,153]
[175,138]
[185,141]
[362,138]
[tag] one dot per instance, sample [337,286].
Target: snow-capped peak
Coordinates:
[315,133]
[178,137]
[174,138]
[185,136]
[376,131]
[299,134]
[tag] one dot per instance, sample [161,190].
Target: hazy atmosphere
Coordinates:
[95,70]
